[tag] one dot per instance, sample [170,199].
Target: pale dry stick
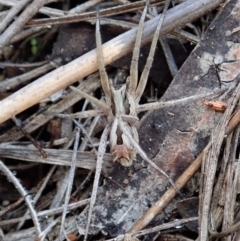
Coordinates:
[84,6]
[169,56]
[11,206]
[212,158]
[120,23]
[70,180]
[132,7]
[27,65]
[165,226]
[3,14]
[231,189]
[49,212]
[22,79]
[235,120]
[101,152]
[19,23]
[169,194]
[39,193]
[87,64]
[27,33]
[12,13]
[45,10]
[23,193]
[43,234]
[87,134]
[55,157]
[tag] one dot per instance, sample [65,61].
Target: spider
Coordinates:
[121,106]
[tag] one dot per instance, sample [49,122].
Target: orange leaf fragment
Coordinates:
[217,105]
[72,236]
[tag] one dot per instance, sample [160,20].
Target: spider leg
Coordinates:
[145,73]
[134,63]
[92,100]
[80,115]
[102,70]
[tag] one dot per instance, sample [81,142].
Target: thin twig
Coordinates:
[101,151]
[212,160]
[49,212]
[12,13]
[23,193]
[18,24]
[70,180]
[39,193]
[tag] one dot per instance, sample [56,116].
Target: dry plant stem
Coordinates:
[18,24]
[86,160]
[48,212]
[230,230]
[45,10]
[44,233]
[169,56]
[27,33]
[91,15]
[24,78]
[84,6]
[101,151]
[87,64]
[235,120]
[39,193]
[27,65]
[231,189]
[70,180]
[12,13]
[23,193]
[212,159]
[12,206]
[87,134]
[162,227]
[168,195]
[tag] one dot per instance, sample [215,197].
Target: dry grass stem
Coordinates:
[211,165]
[101,152]
[70,180]
[23,193]
[18,24]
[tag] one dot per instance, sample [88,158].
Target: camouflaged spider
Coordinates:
[121,106]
